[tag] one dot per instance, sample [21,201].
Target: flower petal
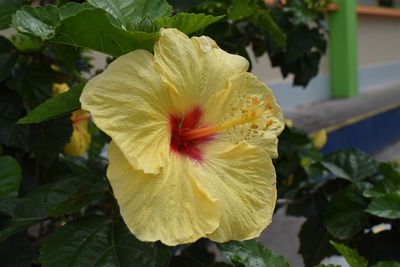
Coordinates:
[129,102]
[230,103]
[243,179]
[194,68]
[173,206]
[80,139]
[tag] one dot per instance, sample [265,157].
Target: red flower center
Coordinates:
[185,139]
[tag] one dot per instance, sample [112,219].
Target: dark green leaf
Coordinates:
[71,193]
[7,8]
[329,265]
[92,29]
[387,264]
[241,9]
[30,206]
[97,241]
[251,254]
[49,138]
[184,4]
[351,255]
[266,21]
[8,57]
[350,164]
[33,82]
[16,225]
[187,22]
[386,206]
[182,261]
[42,21]
[10,176]
[130,12]
[220,264]
[314,241]
[78,165]
[17,251]
[11,134]
[345,213]
[55,107]
[382,246]
[389,183]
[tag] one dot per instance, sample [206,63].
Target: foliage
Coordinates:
[346,197]
[58,210]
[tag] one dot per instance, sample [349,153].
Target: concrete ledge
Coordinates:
[369,122]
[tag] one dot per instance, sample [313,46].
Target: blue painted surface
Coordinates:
[370,135]
[378,75]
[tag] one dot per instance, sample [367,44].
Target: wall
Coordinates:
[378,54]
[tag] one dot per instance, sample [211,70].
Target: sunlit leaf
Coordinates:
[130,12]
[92,29]
[386,206]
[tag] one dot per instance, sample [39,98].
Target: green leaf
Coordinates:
[382,246]
[184,4]
[71,193]
[329,265]
[241,9]
[92,29]
[8,57]
[351,255]
[387,206]
[42,21]
[314,241]
[30,207]
[130,12]
[389,183]
[33,82]
[98,241]
[352,164]
[267,22]
[38,21]
[187,22]
[49,138]
[17,251]
[10,176]
[16,225]
[7,8]
[251,253]
[345,213]
[55,107]
[25,42]
[11,134]
[387,264]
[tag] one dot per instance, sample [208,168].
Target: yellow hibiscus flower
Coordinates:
[80,139]
[193,135]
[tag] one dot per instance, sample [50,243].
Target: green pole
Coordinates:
[343,50]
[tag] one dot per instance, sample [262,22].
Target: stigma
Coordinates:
[189,133]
